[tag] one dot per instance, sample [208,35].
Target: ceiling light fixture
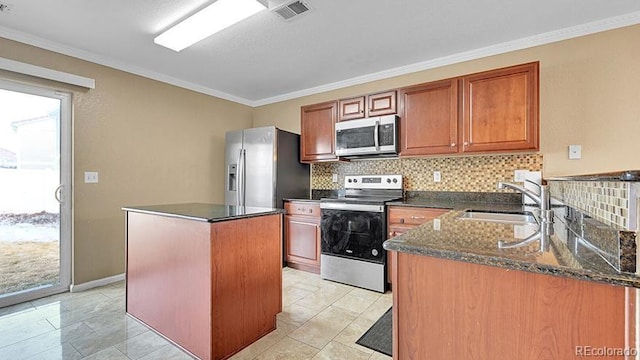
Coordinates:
[206,22]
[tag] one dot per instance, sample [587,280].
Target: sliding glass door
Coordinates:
[35,192]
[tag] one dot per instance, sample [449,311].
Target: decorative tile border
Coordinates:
[471,173]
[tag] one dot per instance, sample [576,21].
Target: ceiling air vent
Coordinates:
[4,7]
[290,9]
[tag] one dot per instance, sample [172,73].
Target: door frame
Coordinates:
[66,193]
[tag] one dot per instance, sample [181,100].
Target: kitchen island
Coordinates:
[457,295]
[207,277]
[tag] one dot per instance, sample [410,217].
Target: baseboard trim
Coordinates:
[96,283]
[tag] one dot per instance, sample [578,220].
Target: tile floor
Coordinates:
[320,320]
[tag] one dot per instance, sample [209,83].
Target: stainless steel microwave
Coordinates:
[370,136]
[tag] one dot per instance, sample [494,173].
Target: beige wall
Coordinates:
[156,143]
[151,143]
[589,95]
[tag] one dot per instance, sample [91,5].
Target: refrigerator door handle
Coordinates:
[239,180]
[241,177]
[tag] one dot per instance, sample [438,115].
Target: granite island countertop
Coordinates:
[204,212]
[476,242]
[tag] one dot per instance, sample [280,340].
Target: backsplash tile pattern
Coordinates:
[607,201]
[471,173]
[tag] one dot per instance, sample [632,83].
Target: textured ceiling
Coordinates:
[265,59]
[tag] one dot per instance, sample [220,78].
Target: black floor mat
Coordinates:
[379,337]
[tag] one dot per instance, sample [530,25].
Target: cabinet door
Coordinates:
[381,104]
[349,109]
[429,119]
[317,132]
[501,110]
[393,231]
[302,240]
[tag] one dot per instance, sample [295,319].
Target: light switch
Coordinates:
[334,178]
[575,152]
[90,177]
[436,176]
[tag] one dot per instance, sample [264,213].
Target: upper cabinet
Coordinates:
[488,112]
[367,106]
[429,118]
[317,132]
[501,110]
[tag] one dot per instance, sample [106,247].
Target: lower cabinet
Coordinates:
[302,235]
[404,218]
[446,309]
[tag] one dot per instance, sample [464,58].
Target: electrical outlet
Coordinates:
[334,178]
[437,176]
[90,177]
[520,175]
[436,224]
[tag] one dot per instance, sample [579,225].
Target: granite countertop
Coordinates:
[204,212]
[566,254]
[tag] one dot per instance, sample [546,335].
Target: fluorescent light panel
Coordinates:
[206,22]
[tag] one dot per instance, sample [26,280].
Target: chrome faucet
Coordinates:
[544,232]
[543,200]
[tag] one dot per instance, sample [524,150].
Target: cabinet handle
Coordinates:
[417,217]
[466,143]
[453,144]
[392,234]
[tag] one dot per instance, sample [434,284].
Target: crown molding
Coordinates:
[519,44]
[103,60]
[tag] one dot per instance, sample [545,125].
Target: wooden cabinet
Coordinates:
[489,112]
[494,111]
[429,119]
[302,235]
[404,218]
[367,106]
[457,310]
[349,109]
[212,288]
[501,110]
[317,132]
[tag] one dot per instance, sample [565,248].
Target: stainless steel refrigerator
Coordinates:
[263,166]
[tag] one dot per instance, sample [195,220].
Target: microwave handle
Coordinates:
[376,131]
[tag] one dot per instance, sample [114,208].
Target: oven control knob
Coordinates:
[395,181]
[349,180]
[355,180]
[374,252]
[389,181]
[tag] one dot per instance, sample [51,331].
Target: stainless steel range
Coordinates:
[353,229]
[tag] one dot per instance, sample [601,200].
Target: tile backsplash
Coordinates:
[471,173]
[611,202]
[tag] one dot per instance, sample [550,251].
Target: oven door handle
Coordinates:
[352,207]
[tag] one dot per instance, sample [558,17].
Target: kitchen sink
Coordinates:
[515,218]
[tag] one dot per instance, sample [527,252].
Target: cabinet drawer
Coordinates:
[412,215]
[302,208]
